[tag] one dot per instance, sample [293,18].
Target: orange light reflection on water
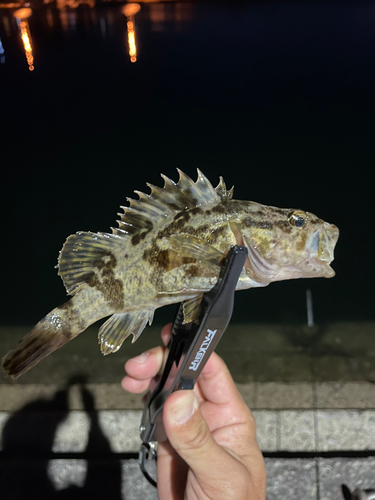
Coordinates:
[26,40]
[131,41]
[129,11]
[22,15]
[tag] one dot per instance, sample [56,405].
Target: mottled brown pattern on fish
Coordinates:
[252,222]
[198,210]
[110,287]
[316,221]
[70,314]
[165,260]
[183,216]
[193,271]
[219,209]
[181,226]
[168,248]
[300,245]
[176,226]
[136,238]
[284,225]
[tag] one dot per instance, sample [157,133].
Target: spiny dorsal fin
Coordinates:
[221,190]
[143,213]
[119,326]
[85,254]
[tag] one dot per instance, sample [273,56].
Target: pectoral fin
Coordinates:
[119,326]
[195,248]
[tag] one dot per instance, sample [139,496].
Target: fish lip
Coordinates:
[324,242]
[324,268]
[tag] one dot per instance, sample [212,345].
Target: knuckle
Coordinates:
[252,422]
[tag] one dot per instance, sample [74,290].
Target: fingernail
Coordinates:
[185,408]
[142,357]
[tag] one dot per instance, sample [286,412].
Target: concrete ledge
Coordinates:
[359,395]
[307,479]
[257,395]
[277,431]
[259,353]
[274,395]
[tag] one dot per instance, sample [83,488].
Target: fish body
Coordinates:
[168,248]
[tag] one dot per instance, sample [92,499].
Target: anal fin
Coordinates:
[190,308]
[119,326]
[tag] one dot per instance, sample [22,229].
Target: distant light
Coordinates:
[131,9]
[131,41]
[22,13]
[9,5]
[26,40]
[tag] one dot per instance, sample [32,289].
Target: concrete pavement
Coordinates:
[311,391]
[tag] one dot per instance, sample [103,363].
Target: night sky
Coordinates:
[278,97]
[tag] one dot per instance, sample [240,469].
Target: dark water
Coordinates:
[278,97]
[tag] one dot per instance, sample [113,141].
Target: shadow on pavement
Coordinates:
[28,438]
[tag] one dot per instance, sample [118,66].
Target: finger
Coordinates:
[146,365]
[222,404]
[166,333]
[216,383]
[135,386]
[171,471]
[190,436]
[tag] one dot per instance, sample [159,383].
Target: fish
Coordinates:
[169,247]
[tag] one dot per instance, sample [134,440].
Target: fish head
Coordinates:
[286,244]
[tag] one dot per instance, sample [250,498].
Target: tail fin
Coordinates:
[48,335]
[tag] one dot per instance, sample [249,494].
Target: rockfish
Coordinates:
[168,248]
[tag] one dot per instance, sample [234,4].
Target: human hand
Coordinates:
[212,453]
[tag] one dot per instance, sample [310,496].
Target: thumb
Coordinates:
[188,432]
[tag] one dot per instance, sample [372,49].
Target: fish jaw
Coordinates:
[265,265]
[322,249]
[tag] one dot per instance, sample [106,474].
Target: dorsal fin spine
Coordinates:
[142,214]
[145,209]
[163,197]
[221,190]
[167,182]
[155,207]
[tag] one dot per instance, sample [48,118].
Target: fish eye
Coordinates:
[298,218]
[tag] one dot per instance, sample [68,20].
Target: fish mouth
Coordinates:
[322,248]
[316,268]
